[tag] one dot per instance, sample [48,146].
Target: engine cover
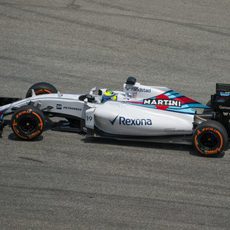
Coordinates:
[121,118]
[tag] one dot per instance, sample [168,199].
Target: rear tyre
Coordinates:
[28,123]
[41,88]
[210,138]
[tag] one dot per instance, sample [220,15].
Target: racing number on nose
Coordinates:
[89,118]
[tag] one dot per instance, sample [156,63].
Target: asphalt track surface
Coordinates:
[65,182]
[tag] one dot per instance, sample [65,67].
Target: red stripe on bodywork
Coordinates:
[185,100]
[136,102]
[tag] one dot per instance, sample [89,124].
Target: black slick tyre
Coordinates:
[210,138]
[28,123]
[41,88]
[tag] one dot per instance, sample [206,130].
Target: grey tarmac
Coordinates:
[63,181]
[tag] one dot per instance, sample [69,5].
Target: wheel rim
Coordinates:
[209,141]
[42,91]
[28,124]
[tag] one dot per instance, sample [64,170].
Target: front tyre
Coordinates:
[28,123]
[210,138]
[41,88]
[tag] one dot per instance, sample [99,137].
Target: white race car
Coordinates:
[139,113]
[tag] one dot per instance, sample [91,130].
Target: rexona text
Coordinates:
[134,122]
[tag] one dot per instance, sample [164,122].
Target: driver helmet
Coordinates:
[109,95]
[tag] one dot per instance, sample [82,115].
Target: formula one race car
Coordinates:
[138,113]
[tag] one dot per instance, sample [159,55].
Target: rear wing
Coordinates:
[221,99]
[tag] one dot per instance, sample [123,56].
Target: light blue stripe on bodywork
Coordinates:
[173,94]
[192,105]
[187,111]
